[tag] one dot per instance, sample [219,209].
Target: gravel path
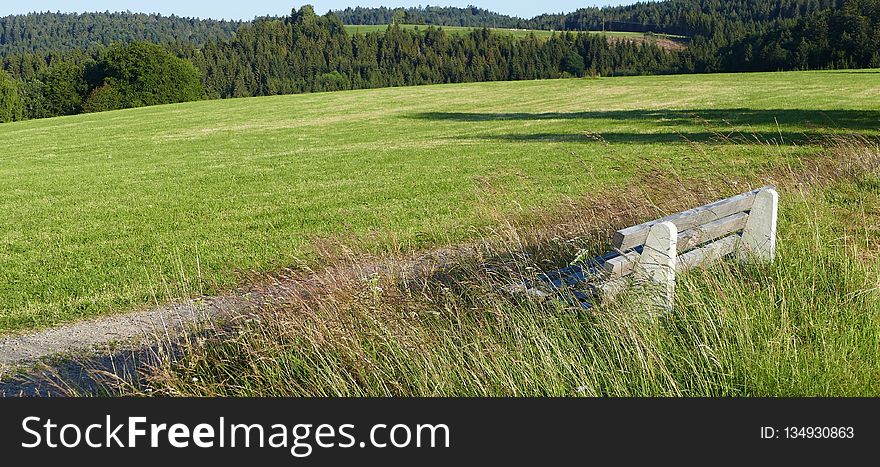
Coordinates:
[138,330]
[135,329]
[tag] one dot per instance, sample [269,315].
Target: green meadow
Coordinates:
[113,211]
[539,33]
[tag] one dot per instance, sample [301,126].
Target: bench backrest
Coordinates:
[648,256]
[744,224]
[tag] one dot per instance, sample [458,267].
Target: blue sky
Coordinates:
[250,9]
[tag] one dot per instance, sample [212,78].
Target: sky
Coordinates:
[249,9]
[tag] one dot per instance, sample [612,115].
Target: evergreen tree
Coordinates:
[44,32]
[10,101]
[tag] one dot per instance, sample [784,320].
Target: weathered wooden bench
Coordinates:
[649,255]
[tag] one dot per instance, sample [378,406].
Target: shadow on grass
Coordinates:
[719,126]
[805,119]
[64,378]
[719,138]
[852,72]
[88,375]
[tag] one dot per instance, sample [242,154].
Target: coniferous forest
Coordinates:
[62,64]
[37,32]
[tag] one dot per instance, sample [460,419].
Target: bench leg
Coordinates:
[759,235]
[655,270]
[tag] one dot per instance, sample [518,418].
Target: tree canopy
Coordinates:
[146,74]
[10,101]
[41,32]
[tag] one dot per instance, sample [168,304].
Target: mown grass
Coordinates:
[667,41]
[539,33]
[104,212]
[806,325]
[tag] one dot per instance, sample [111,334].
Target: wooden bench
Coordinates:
[649,255]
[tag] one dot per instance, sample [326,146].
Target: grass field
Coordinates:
[541,33]
[105,212]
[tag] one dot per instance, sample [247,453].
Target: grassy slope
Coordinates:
[666,41]
[107,211]
[540,33]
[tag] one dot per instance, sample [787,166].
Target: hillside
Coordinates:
[109,211]
[712,26]
[666,42]
[679,17]
[305,52]
[470,17]
[47,31]
[42,32]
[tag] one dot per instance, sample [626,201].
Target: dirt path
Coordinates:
[134,331]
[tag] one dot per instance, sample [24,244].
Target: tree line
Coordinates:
[108,78]
[305,52]
[471,16]
[723,35]
[711,26]
[42,32]
[840,39]
[686,17]
[679,17]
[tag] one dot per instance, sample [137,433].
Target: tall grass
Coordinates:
[807,325]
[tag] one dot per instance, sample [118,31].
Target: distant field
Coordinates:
[665,41]
[540,33]
[105,212]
